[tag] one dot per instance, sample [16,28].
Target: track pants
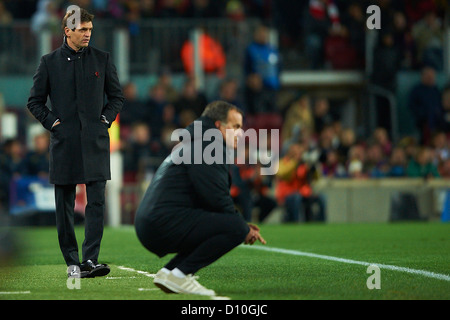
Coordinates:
[213,236]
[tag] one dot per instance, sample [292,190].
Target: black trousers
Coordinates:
[94,221]
[213,236]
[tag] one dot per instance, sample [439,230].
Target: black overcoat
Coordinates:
[82,86]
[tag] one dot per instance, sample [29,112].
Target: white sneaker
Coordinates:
[161,277]
[173,284]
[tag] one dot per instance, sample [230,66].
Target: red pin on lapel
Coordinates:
[96,74]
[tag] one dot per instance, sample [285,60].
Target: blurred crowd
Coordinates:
[327,33]
[313,142]
[313,145]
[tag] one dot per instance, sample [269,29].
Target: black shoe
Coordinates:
[94,269]
[74,271]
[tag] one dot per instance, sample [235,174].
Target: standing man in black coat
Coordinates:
[76,77]
[188,209]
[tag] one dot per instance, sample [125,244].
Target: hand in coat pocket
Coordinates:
[57,123]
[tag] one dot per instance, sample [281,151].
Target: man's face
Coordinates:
[234,123]
[80,37]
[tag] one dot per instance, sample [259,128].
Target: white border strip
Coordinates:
[424,273]
[15,292]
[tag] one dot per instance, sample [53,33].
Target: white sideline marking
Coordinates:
[148,289]
[424,273]
[117,278]
[145,273]
[15,292]
[151,275]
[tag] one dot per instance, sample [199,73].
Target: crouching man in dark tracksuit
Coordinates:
[187,208]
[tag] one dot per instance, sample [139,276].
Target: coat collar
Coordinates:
[67,49]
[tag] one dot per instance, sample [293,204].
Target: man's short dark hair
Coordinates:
[218,110]
[85,16]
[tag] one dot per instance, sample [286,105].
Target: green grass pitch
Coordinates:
[406,253]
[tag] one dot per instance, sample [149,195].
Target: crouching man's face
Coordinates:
[233,125]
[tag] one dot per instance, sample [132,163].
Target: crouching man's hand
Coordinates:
[254,235]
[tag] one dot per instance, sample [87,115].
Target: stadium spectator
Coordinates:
[46,17]
[139,151]
[444,169]
[326,142]
[165,80]
[156,103]
[169,9]
[132,17]
[100,8]
[307,138]
[134,108]
[14,152]
[286,18]
[115,9]
[212,55]
[235,10]
[229,92]
[85,4]
[250,189]
[381,137]
[440,148]
[262,67]
[422,165]
[186,117]
[36,162]
[298,117]
[261,9]
[332,167]
[147,9]
[293,187]
[188,210]
[190,98]
[166,142]
[376,164]
[409,145]
[386,62]
[199,9]
[356,161]
[397,163]
[445,119]
[320,21]
[428,36]
[415,9]
[347,139]
[339,51]
[168,118]
[11,166]
[403,40]
[321,114]
[425,105]
[354,21]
